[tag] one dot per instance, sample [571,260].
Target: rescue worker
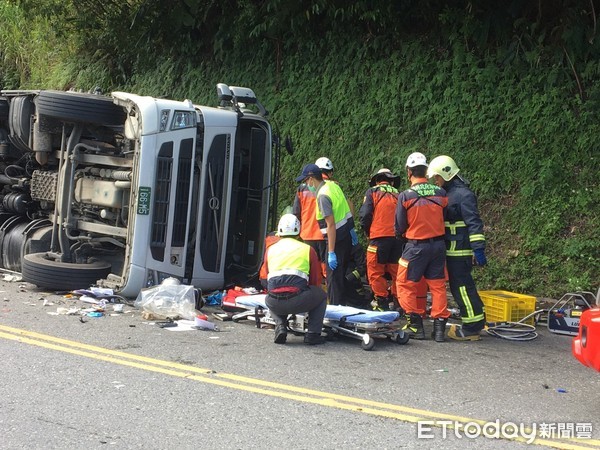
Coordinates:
[465,241]
[420,221]
[354,287]
[305,209]
[337,225]
[294,282]
[270,239]
[326,167]
[377,215]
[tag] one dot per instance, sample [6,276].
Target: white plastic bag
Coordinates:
[169,299]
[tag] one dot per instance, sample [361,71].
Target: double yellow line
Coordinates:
[263,387]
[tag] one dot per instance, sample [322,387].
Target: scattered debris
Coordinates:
[11,277]
[214,299]
[201,323]
[151,316]
[170,299]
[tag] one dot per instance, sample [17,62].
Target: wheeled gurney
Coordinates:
[360,324]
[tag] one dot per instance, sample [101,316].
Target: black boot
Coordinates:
[380,304]
[414,326]
[280,334]
[313,339]
[439,330]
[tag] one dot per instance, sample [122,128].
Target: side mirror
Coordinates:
[289,146]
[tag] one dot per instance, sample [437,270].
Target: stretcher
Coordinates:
[355,323]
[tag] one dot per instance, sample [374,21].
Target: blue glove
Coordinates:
[332,260]
[354,237]
[480,258]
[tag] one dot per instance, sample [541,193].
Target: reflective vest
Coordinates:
[288,257]
[339,204]
[306,209]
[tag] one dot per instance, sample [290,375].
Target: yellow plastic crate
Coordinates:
[504,306]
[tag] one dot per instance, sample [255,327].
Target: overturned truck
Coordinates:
[122,191]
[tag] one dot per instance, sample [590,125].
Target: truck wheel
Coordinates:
[79,108]
[42,271]
[19,121]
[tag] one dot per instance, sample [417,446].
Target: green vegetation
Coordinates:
[509,91]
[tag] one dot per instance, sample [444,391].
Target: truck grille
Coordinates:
[182,196]
[162,188]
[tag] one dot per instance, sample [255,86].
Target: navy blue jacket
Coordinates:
[464,227]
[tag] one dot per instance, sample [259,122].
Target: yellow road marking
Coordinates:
[263,387]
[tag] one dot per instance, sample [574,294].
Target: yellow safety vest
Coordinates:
[288,257]
[339,204]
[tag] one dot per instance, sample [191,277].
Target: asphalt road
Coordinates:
[122,382]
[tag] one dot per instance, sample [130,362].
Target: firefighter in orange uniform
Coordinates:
[377,215]
[294,282]
[420,221]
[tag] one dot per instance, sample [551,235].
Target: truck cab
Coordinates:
[123,191]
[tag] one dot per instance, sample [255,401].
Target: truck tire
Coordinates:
[76,107]
[19,121]
[42,271]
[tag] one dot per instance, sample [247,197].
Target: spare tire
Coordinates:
[76,107]
[39,269]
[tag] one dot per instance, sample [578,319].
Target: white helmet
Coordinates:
[289,225]
[416,159]
[324,163]
[444,166]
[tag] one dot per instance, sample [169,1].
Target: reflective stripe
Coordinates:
[403,262]
[339,224]
[279,273]
[458,223]
[473,319]
[466,300]
[476,237]
[454,225]
[459,252]
[372,249]
[453,252]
